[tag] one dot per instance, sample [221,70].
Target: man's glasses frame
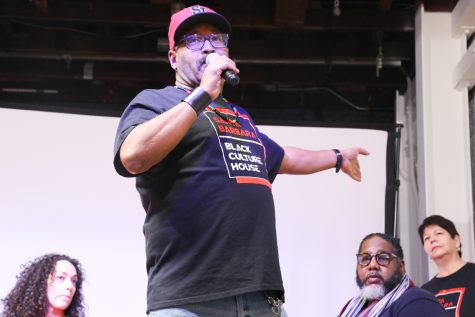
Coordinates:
[383,258]
[196,42]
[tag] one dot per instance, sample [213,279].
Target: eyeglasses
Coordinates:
[197,41]
[364,259]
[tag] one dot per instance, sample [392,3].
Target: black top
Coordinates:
[456,292]
[210,223]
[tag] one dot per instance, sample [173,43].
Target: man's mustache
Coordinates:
[372,275]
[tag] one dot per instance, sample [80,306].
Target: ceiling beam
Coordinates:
[153,59]
[160,72]
[385,5]
[89,12]
[361,20]
[158,16]
[41,5]
[437,5]
[290,13]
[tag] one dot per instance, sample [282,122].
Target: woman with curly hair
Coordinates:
[49,286]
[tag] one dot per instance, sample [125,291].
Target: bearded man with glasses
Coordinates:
[204,172]
[385,287]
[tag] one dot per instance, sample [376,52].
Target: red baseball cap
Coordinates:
[185,18]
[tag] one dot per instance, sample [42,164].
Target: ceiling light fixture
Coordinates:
[336,8]
[379,60]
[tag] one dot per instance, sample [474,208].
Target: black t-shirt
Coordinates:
[210,222]
[456,292]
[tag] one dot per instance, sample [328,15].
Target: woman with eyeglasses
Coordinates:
[454,283]
[49,286]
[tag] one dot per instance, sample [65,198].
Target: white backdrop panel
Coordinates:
[60,193]
[321,218]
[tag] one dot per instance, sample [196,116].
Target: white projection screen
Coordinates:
[60,193]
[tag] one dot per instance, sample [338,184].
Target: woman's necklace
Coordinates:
[219,113]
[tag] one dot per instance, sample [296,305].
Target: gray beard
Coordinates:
[371,292]
[374,291]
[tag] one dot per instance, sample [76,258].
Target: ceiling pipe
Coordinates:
[139,59]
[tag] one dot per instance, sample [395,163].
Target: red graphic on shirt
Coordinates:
[451,300]
[243,152]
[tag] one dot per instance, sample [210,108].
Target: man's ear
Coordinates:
[172,59]
[402,266]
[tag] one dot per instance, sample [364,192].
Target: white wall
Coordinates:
[443,166]
[60,193]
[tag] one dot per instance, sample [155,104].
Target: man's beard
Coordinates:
[373,291]
[377,291]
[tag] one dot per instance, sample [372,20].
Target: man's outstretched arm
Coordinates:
[300,161]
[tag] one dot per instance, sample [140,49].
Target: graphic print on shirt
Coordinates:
[243,152]
[451,300]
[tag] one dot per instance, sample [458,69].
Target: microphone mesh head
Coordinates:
[211,57]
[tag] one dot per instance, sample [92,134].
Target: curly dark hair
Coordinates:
[29,297]
[393,241]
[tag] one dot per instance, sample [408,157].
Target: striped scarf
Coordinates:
[356,304]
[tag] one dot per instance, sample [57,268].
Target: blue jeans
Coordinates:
[246,305]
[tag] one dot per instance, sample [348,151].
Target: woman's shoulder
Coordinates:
[469,267]
[465,273]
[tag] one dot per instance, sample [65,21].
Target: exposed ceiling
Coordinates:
[300,60]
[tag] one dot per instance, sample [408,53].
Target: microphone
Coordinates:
[229,76]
